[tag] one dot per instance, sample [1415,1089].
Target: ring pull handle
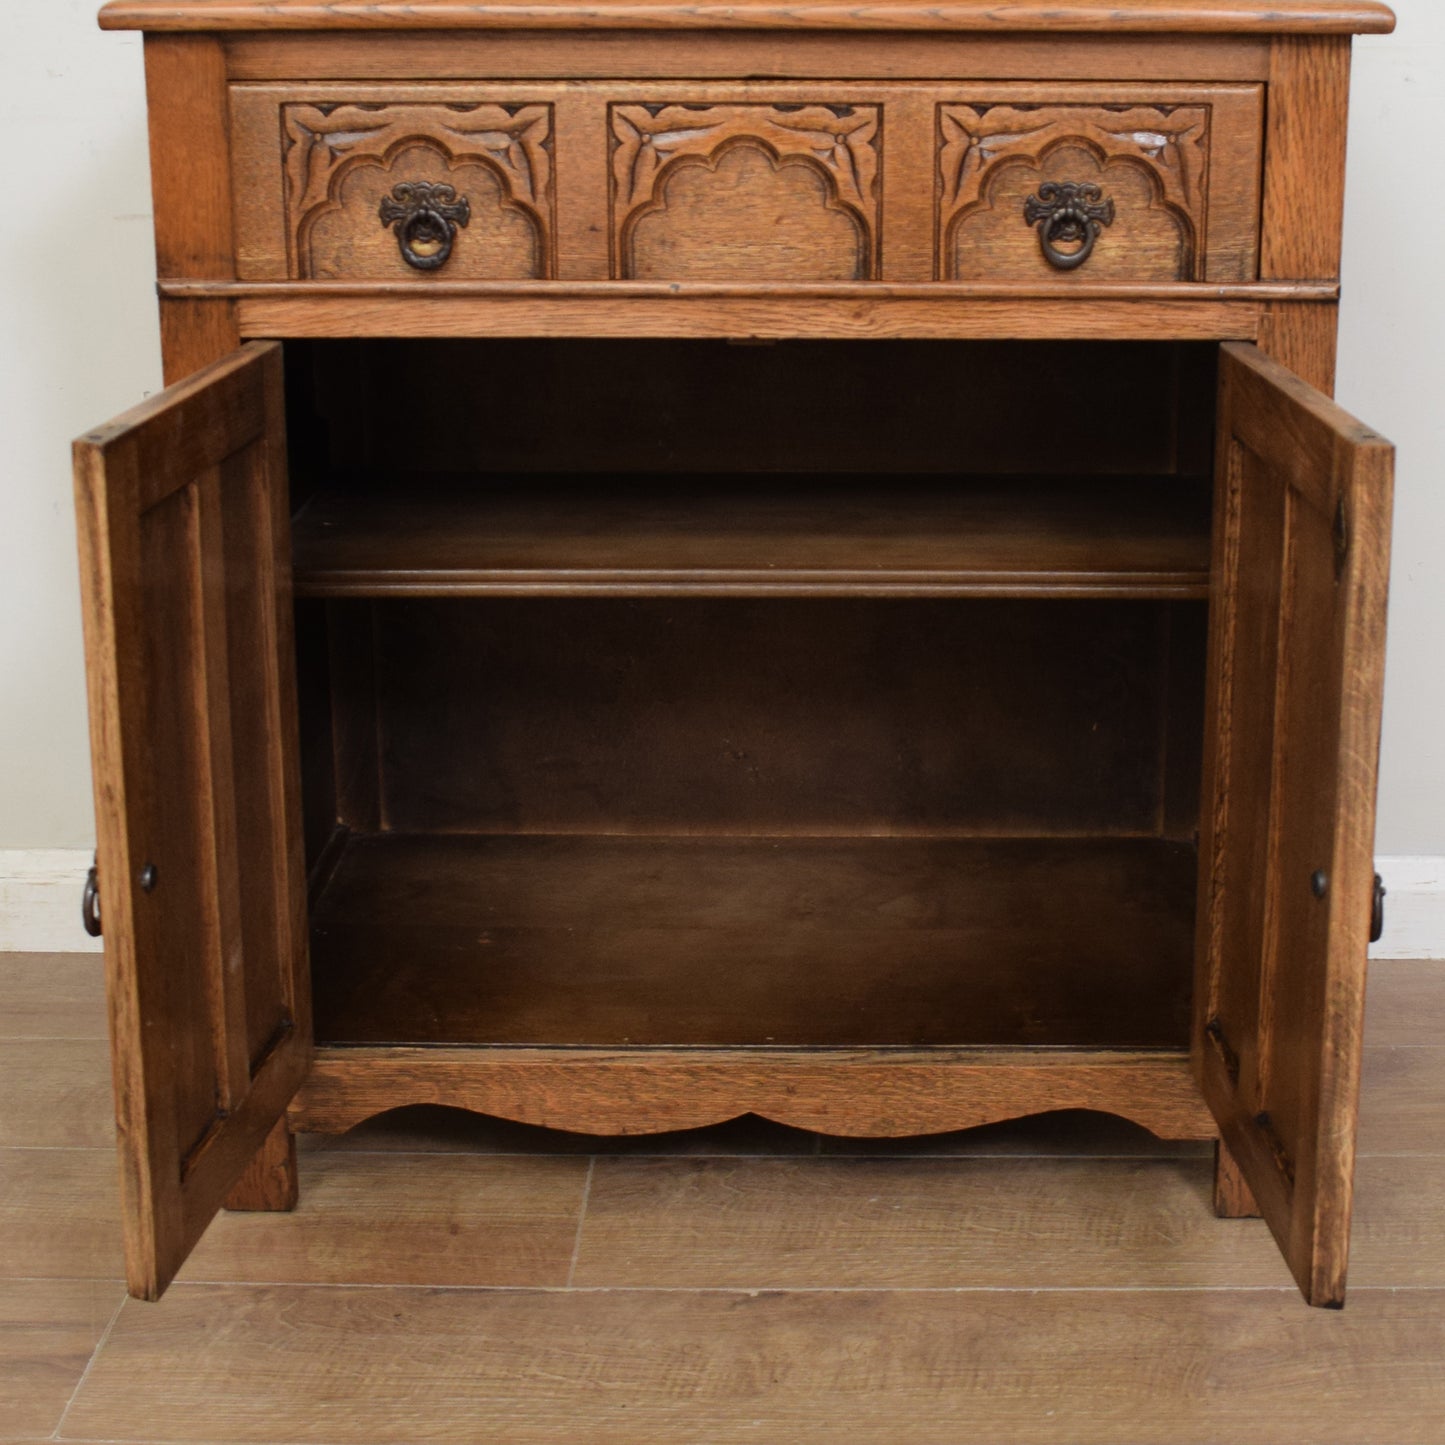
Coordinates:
[1070,214]
[90,902]
[425,216]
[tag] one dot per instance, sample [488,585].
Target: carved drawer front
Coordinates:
[399,191]
[745,192]
[1121,190]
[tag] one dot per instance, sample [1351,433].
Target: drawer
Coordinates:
[750,182]
[1112,185]
[687,181]
[393,189]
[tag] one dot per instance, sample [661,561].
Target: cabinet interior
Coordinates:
[693,693]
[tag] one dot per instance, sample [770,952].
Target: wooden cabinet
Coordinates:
[958,701]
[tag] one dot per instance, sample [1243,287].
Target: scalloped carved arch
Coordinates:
[341,160]
[860,1094]
[1153,160]
[747,191]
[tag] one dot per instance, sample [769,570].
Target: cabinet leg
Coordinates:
[1233,1198]
[269,1182]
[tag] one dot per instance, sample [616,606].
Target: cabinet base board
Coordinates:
[874,1093]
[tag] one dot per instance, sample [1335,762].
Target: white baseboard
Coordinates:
[40,903]
[40,892]
[1414,908]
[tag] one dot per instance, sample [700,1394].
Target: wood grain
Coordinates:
[269,1183]
[1180,168]
[190,181]
[923,707]
[1188,16]
[1302,338]
[60,1215]
[914,1223]
[1179,292]
[205,966]
[312,167]
[196,332]
[192,195]
[55,1092]
[1405,1002]
[1233,1198]
[51,996]
[1400,1219]
[864,1092]
[48,1332]
[1402,1098]
[439,1219]
[1304,174]
[882,416]
[900,537]
[783,175]
[623,942]
[727,191]
[864,310]
[749,180]
[776,316]
[546,55]
[1296,673]
[1056,1367]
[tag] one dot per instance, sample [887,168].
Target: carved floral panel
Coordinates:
[745,192]
[1002,170]
[379,191]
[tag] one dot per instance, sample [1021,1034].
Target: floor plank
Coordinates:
[56,1093]
[59,1214]
[915,1223]
[1405,1002]
[431,1219]
[52,996]
[997,1224]
[1402,1101]
[48,1332]
[264,1363]
[730,1286]
[1398,1236]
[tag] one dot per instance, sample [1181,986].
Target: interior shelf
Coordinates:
[787,941]
[756,536]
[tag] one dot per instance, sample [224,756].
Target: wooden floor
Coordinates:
[448,1279]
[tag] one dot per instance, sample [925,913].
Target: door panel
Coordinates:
[1296,669]
[186,575]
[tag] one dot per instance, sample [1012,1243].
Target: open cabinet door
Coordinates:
[1296,670]
[185,565]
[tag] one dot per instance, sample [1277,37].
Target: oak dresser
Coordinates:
[787,556]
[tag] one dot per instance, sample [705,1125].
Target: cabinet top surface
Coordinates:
[1060,16]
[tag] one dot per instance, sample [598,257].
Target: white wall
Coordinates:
[78,343]
[1392,372]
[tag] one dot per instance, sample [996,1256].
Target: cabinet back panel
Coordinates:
[319,803]
[1051,408]
[764,716]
